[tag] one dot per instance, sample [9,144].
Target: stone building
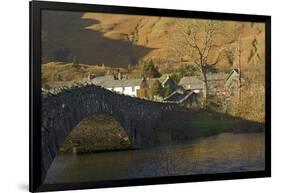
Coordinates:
[219,83]
[184,98]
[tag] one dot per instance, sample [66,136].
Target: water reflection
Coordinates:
[216,154]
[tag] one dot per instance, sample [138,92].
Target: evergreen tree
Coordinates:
[150,70]
[156,88]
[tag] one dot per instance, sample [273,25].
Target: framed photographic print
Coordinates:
[123,96]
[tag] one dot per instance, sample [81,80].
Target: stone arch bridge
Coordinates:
[63,109]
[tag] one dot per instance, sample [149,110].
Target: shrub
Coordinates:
[156,88]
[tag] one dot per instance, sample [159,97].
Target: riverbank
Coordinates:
[202,123]
[207,123]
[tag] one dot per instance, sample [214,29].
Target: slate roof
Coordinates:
[236,73]
[112,83]
[170,83]
[178,97]
[196,82]
[100,80]
[191,82]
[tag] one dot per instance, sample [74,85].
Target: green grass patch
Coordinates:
[204,123]
[200,123]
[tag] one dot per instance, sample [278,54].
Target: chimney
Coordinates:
[120,76]
[91,76]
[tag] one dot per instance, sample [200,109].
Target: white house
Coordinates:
[129,86]
[123,86]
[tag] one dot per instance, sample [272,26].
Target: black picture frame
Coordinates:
[36,7]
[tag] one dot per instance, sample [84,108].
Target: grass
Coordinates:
[200,123]
[204,123]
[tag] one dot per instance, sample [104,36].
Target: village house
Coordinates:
[219,83]
[183,98]
[233,80]
[168,82]
[123,86]
[192,83]
[131,87]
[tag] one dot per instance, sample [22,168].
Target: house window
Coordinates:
[133,89]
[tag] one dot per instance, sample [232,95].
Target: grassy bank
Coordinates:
[204,123]
[201,123]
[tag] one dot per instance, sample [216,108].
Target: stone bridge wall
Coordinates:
[63,110]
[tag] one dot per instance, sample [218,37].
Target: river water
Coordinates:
[227,152]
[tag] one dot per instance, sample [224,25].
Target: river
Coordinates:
[226,152]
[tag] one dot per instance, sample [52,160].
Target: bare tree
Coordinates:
[237,46]
[239,52]
[199,43]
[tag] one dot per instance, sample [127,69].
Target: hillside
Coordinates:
[119,40]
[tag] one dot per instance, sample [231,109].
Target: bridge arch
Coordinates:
[63,110]
[97,132]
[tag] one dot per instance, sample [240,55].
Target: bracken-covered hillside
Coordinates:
[119,40]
